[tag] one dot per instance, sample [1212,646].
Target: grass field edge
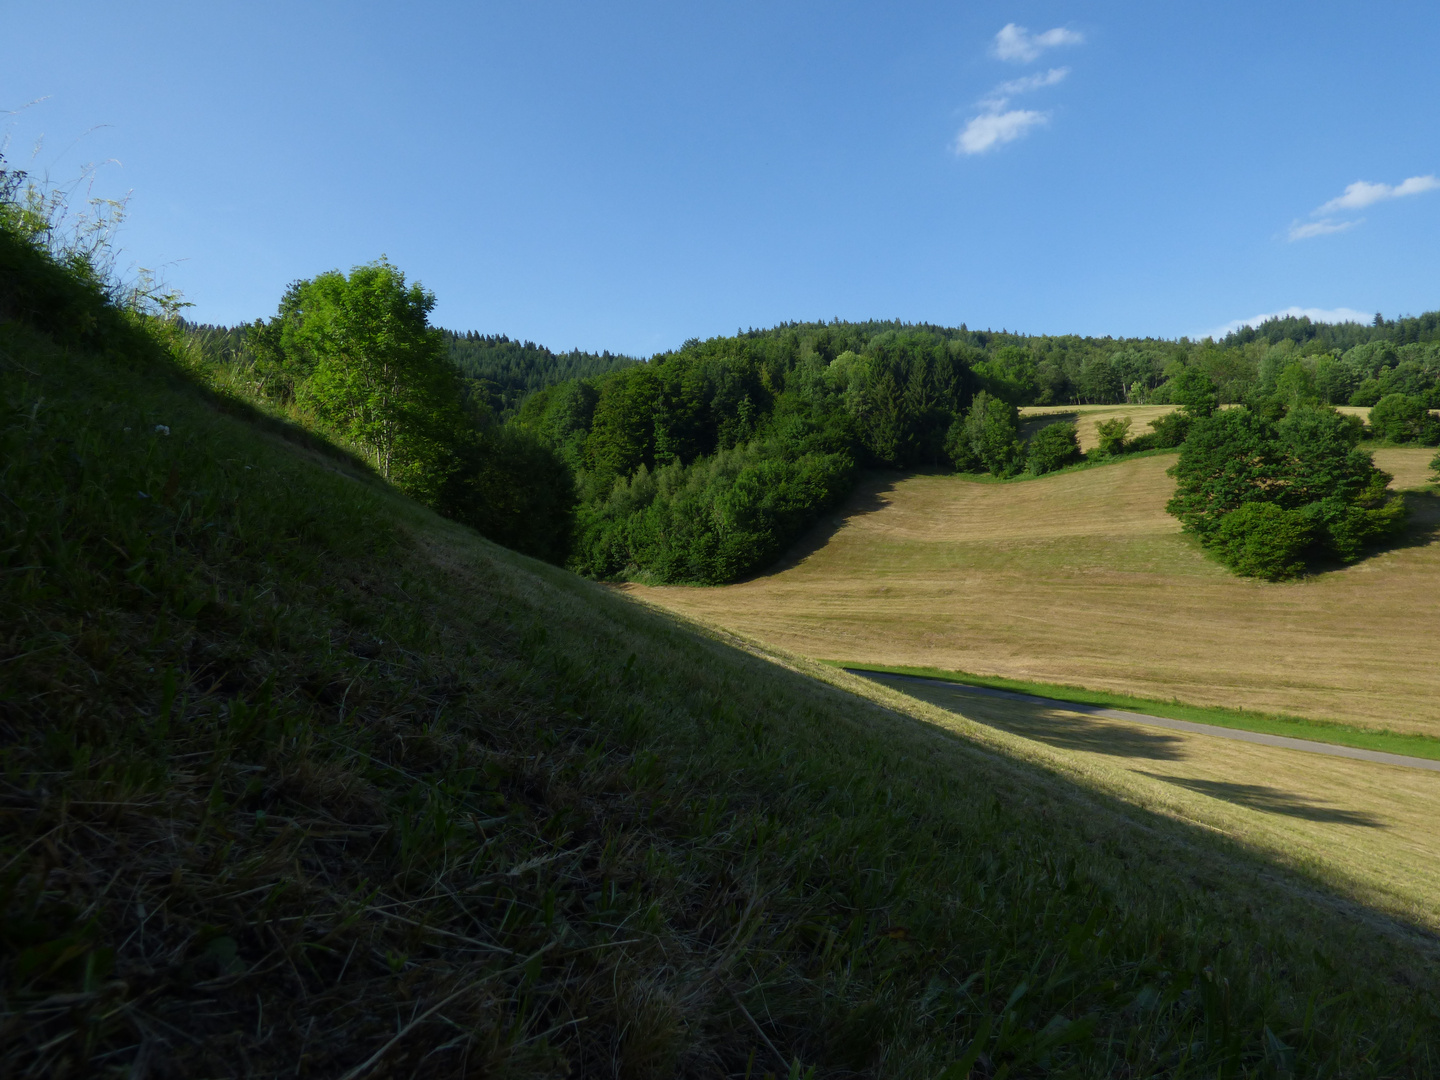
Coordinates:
[1332,732]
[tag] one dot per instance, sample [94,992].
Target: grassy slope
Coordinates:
[299,779]
[1365,828]
[1082,579]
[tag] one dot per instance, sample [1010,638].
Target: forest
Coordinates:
[703,464]
[502,373]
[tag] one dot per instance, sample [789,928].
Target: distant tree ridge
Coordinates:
[502,373]
[704,463]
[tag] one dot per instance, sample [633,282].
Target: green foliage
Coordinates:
[511,487]
[1099,382]
[1404,418]
[704,463]
[716,520]
[1307,465]
[1112,434]
[359,353]
[1194,391]
[502,374]
[1264,540]
[992,432]
[1170,430]
[1052,447]
[1295,385]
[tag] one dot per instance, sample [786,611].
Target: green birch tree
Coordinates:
[359,352]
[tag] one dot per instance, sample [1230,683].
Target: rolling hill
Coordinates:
[299,778]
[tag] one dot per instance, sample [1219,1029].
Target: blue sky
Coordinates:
[627,176]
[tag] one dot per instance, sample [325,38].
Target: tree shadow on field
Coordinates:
[1032,424]
[1043,722]
[867,498]
[1096,737]
[1421,529]
[1424,525]
[1269,800]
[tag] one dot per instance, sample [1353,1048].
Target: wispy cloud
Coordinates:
[1319,315]
[1002,94]
[1017,44]
[1362,193]
[1304,230]
[998,123]
[1357,196]
[994,128]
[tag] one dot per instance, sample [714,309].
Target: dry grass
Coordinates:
[298,780]
[1371,825]
[1083,579]
[1086,417]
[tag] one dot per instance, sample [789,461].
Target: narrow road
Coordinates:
[1305,745]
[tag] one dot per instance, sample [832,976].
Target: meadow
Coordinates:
[1370,826]
[1087,417]
[1081,578]
[298,778]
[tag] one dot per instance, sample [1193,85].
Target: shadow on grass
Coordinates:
[1424,525]
[1421,530]
[1044,723]
[1269,800]
[867,498]
[1031,424]
[1074,733]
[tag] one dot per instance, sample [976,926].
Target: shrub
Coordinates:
[1263,540]
[1113,433]
[1367,394]
[1052,447]
[1403,418]
[1170,430]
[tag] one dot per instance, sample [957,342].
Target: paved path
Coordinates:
[1305,745]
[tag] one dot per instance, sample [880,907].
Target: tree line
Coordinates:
[704,463]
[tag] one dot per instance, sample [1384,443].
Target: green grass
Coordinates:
[298,779]
[1294,727]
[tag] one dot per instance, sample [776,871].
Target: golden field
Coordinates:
[1082,578]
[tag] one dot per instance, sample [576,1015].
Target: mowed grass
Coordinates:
[1082,579]
[1087,417]
[297,779]
[1370,825]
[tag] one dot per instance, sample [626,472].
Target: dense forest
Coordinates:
[704,463]
[502,373]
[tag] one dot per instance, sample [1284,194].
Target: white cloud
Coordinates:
[1017,44]
[1006,90]
[997,124]
[1362,193]
[1323,227]
[993,128]
[1319,315]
